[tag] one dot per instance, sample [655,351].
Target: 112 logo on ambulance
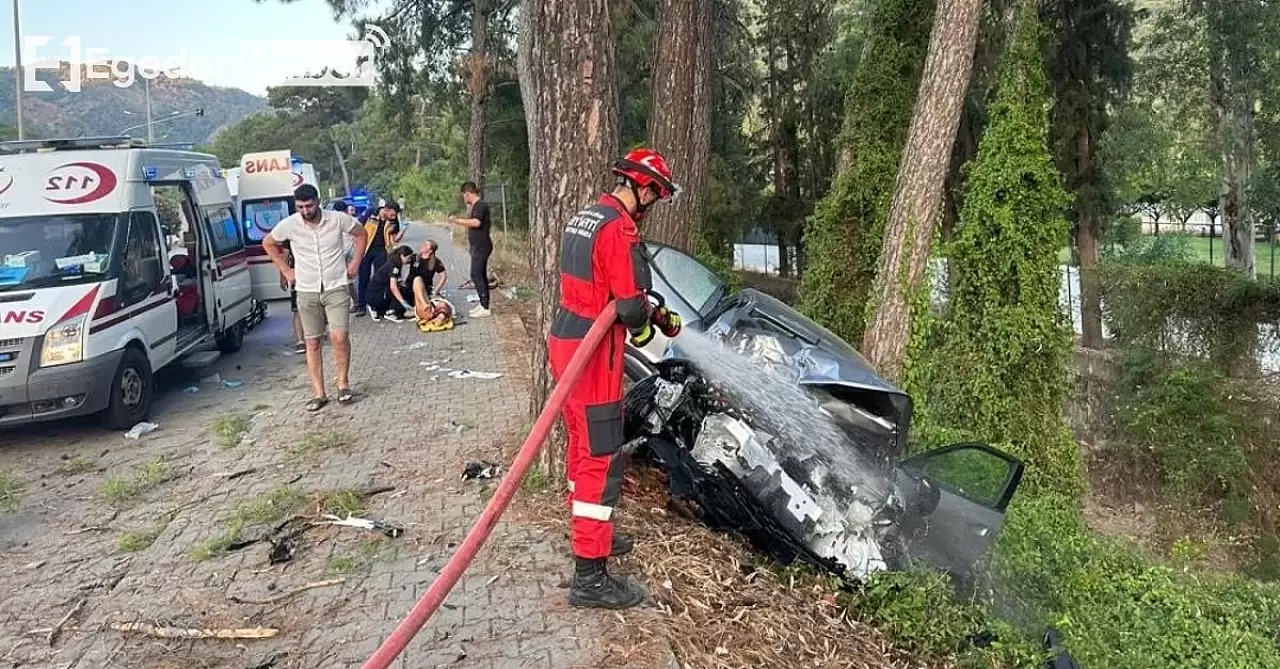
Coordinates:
[79,183]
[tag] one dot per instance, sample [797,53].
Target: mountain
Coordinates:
[99,108]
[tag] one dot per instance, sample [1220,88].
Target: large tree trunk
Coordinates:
[918,193]
[571,110]
[1236,169]
[680,116]
[342,164]
[479,89]
[1088,235]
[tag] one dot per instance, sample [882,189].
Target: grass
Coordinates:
[274,506]
[370,551]
[320,442]
[77,465]
[1204,248]
[536,480]
[132,542]
[10,492]
[119,490]
[231,428]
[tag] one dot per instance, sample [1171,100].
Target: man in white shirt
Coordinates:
[320,274]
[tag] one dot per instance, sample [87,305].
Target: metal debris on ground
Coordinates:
[480,470]
[362,523]
[140,429]
[232,383]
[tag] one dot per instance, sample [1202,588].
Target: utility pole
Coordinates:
[17,62]
[146,85]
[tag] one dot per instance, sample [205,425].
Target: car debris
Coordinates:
[480,470]
[362,523]
[140,429]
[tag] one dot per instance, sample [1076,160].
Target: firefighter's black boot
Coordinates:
[622,544]
[593,587]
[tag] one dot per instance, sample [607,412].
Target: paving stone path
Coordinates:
[121,530]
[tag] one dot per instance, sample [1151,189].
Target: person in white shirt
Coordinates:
[320,275]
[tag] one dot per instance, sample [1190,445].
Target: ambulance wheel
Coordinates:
[231,340]
[131,391]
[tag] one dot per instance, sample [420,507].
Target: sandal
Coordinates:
[345,396]
[315,403]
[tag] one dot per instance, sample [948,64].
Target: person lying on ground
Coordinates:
[383,294]
[434,315]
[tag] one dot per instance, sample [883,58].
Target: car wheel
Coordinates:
[231,340]
[131,391]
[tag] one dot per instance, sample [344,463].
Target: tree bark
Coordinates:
[918,193]
[566,65]
[680,116]
[1236,170]
[1088,236]
[479,89]
[342,164]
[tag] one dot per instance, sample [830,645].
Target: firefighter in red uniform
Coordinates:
[602,259]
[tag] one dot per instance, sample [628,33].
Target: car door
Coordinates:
[232,285]
[974,484]
[143,289]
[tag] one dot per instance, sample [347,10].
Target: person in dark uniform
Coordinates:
[602,260]
[382,294]
[480,242]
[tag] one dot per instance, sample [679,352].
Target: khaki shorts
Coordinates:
[331,308]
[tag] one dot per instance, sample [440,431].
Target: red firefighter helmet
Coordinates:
[646,167]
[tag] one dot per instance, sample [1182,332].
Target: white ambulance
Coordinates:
[265,185]
[115,260]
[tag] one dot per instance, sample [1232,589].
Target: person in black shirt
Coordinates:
[380,295]
[481,244]
[425,267]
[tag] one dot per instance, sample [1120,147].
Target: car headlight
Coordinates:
[64,342]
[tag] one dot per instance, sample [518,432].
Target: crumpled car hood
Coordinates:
[841,532]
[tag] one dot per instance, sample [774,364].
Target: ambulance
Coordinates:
[116,259]
[265,183]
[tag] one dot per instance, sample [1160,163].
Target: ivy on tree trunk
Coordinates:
[567,81]
[843,237]
[994,368]
[908,236]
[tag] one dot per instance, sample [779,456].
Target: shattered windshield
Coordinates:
[44,251]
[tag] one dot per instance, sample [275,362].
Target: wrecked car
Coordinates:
[781,432]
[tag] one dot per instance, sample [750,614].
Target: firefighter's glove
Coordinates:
[667,321]
[642,336]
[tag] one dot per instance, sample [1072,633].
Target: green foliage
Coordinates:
[843,237]
[1002,322]
[1179,414]
[919,611]
[1189,310]
[1121,612]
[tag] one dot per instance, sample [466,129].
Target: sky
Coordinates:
[213,36]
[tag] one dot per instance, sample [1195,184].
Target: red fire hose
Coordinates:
[435,595]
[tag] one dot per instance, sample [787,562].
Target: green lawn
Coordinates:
[1268,255]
